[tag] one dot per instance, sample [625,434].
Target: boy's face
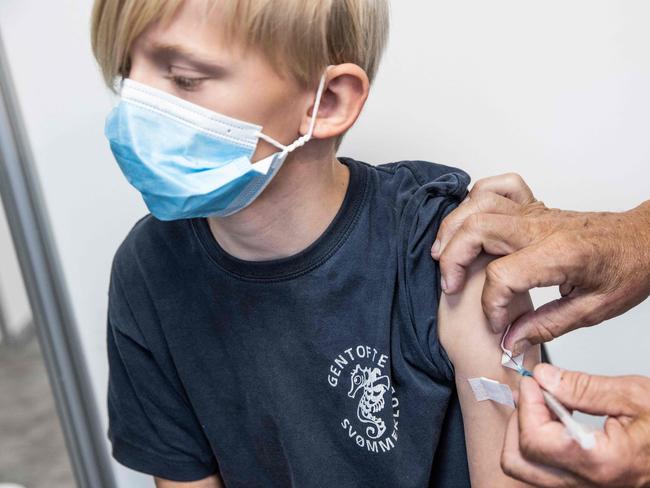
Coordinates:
[189,59]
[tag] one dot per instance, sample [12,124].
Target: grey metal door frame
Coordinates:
[53,317]
[4,330]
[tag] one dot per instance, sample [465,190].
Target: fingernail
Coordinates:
[444,284]
[436,248]
[519,346]
[510,342]
[548,376]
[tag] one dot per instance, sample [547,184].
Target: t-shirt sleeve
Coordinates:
[422,216]
[152,426]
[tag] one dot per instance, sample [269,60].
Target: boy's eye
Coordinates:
[184,83]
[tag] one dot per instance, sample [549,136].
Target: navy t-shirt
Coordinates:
[322,369]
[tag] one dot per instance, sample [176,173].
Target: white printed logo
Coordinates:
[368,387]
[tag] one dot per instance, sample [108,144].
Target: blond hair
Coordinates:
[301,36]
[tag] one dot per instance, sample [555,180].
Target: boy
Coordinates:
[275,322]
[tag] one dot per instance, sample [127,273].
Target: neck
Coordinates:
[291,213]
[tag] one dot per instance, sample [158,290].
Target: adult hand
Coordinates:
[537,449]
[600,260]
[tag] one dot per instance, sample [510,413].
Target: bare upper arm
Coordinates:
[475,351]
[213,481]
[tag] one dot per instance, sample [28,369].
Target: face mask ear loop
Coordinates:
[301,141]
[319,94]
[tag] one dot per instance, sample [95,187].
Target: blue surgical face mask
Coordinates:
[186,160]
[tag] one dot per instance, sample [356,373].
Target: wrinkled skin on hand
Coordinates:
[537,449]
[600,260]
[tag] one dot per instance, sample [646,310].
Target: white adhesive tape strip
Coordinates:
[487,389]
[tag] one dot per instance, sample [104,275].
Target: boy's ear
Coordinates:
[345,93]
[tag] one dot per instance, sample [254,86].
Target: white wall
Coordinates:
[555,90]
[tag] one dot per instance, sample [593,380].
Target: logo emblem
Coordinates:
[374,427]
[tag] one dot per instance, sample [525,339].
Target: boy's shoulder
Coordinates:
[422,172]
[403,181]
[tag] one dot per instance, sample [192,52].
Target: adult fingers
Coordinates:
[533,413]
[482,203]
[517,273]
[509,185]
[541,438]
[495,234]
[552,319]
[609,463]
[516,466]
[597,395]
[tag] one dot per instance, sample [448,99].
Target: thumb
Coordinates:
[595,395]
[551,320]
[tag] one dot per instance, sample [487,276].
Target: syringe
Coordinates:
[576,430]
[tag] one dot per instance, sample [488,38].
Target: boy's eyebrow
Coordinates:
[168,52]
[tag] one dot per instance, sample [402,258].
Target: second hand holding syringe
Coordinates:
[575,429]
